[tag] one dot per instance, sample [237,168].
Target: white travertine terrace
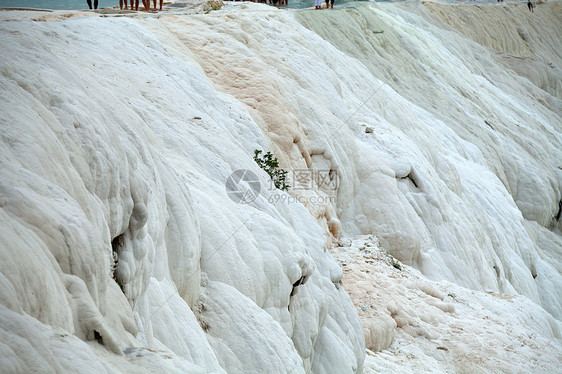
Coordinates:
[121,250]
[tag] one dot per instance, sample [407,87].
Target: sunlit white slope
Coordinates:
[413,324]
[461,173]
[440,148]
[115,143]
[118,135]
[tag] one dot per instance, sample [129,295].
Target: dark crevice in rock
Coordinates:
[98,337]
[302,280]
[116,245]
[412,179]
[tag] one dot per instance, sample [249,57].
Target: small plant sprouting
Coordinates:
[269,163]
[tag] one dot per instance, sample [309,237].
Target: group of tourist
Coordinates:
[317,3]
[135,6]
[329,4]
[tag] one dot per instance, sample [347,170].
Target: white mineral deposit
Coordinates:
[421,230]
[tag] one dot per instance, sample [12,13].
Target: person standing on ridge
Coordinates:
[161,1]
[530,6]
[90,4]
[125,1]
[318,4]
[328,5]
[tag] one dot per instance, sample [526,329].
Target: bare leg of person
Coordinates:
[95,4]
[161,3]
[89,3]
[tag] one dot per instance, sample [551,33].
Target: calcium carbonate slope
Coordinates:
[118,134]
